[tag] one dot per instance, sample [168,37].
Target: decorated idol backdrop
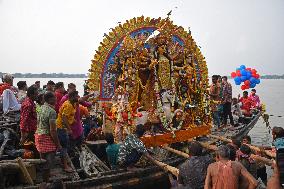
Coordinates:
[154,65]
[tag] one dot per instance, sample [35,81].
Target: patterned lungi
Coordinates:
[44,143]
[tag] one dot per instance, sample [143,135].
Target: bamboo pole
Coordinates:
[257,149]
[253,156]
[180,153]
[25,171]
[167,167]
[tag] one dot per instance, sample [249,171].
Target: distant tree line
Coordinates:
[46,75]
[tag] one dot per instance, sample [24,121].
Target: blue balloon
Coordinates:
[257,81]
[238,82]
[248,75]
[243,78]
[243,72]
[243,67]
[252,80]
[237,79]
[252,85]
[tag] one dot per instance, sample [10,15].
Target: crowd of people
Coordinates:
[232,168]
[50,117]
[224,106]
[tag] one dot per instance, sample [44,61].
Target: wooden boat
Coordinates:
[150,176]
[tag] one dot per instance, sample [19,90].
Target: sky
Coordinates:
[55,36]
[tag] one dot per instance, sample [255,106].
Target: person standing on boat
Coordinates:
[37,84]
[64,122]
[132,149]
[227,101]
[8,99]
[46,138]
[28,120]
[226,174]
[22,91]
[76,127]
[255,99]
[49,86]
[59,93]
[192,172]
[214,93]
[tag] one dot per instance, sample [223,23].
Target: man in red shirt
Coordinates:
[28,115]
[59,93]
[246,104]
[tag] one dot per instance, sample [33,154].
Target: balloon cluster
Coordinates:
[248,76]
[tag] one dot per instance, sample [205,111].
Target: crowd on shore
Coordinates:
[224,106]
[52,119]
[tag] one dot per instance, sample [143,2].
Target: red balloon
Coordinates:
[233,74]
[247,86]
[243,87]
[257,76]
[238,73]
[253,71]
[248,69]
[247,83]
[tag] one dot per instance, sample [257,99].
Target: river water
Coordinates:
[270,91]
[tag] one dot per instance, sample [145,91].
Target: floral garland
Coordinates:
[161,113]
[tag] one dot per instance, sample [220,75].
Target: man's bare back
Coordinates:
[237,171]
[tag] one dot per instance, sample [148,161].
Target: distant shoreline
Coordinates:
[46,75]
[62,75]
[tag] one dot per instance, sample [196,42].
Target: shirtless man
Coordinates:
[225,174]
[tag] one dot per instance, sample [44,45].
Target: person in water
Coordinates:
[226,174]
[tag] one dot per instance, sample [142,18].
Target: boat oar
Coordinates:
[180,153]
[257,149]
